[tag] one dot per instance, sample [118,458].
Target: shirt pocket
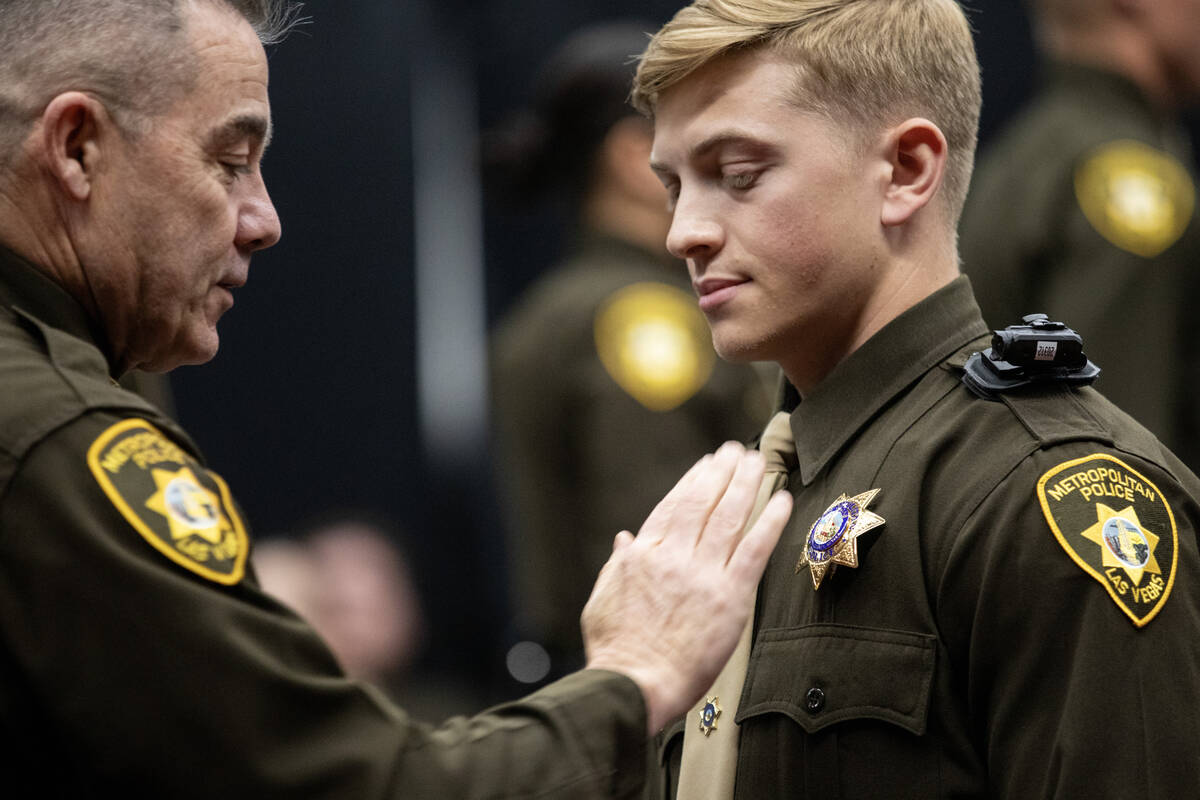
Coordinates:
[838,711]
[822,674]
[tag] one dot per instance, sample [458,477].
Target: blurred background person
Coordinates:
[350,579]
[1084,207]
[605,384]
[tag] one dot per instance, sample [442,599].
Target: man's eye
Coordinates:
[236,169]
[740,180]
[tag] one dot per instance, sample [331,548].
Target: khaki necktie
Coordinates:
[709,760]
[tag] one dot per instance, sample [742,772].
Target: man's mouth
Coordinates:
[715,292]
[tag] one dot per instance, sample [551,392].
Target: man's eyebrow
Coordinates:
[243,126]
[717,141]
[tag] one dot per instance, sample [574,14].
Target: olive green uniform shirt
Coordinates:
[126,670]
[1123,272]
[969,655]
[581,456]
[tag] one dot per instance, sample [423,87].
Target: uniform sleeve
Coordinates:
[1070,696]
[125,669]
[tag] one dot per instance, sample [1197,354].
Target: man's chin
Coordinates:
[189,353]
[736,350]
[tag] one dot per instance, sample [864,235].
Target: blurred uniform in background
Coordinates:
[1085,207]
[605,383]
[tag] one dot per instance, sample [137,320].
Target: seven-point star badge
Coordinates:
[708,715]
[833,538]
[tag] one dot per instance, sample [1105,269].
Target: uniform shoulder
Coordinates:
[50,378]
[1039,422]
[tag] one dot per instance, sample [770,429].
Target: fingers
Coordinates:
[749,558]
[695,505]
[657,524]
[622,539]
[728,519]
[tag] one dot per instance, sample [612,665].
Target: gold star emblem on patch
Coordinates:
[1124,543]
[833,538]
[190,509]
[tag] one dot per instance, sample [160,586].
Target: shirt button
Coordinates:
[814,701]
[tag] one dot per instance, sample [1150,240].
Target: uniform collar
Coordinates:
[882,368]
[24,286]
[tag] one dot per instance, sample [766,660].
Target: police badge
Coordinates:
[833,538]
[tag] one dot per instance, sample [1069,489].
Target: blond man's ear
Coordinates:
[916,152]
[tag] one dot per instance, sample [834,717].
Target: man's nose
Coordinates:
[695,232]
[258,222]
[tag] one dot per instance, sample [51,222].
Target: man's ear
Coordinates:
[916,152]
[71,126]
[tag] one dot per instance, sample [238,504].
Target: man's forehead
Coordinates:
[736,100]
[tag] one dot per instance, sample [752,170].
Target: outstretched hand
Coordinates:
[670,604]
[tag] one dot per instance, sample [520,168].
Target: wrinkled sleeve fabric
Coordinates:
[1070,698]
[126,672]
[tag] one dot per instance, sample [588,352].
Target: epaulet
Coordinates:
[1053,415]
[82,367]
[59,378]
[1136,196]
[654,343]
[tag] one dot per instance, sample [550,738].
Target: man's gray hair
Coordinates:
[131,54]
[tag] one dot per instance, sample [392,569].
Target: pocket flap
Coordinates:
[823,673]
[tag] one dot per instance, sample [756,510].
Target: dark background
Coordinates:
[310,407]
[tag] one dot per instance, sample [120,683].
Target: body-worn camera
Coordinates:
[1039,350]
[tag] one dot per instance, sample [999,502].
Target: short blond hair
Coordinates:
[876,62]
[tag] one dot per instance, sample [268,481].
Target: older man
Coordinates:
[138,654]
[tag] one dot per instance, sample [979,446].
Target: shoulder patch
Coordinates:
[1139,198]
[654,342]
[1115,524]
[183,510]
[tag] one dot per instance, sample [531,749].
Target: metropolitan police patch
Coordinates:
[183,510]
[1115,523]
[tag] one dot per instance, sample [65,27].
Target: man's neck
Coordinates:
[907,282]
[23,230]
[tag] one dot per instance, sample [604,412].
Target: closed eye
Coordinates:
[740,181]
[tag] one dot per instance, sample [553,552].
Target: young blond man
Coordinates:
[989,592]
